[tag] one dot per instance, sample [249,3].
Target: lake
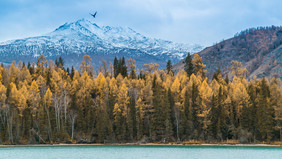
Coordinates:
[144,152]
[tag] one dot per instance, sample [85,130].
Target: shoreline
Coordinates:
[147,144]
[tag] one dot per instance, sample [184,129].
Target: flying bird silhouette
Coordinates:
[93,15]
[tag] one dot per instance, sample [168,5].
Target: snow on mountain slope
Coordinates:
[73,40]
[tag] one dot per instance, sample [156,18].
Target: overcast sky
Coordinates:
[190,21]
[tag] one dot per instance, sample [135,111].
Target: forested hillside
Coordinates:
[258,49]
[44,103]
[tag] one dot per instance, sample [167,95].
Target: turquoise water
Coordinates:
[136,152]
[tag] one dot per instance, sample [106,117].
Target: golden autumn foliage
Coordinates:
[47,104]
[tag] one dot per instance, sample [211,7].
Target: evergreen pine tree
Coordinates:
[188,65]
[265,113]
[116,67]
[169,67]
[195,109]
[221,121]
[172,112]
[226,79]
[253,111]
[56,63]
[72,72]
[188,123]
[276,103]
[161,120]
[31,68]
[68,71]
[213,118]
[28,65]
[215,75]
[123,68]
[61,62]
[133,125]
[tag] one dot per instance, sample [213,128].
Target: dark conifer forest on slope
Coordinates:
[47,103]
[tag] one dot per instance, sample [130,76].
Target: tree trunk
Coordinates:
[49,123]
[72,117]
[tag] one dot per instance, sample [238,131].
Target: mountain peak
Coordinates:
[87,28]
[81,24]
[101,42]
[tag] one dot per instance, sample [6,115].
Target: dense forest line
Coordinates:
[46,103]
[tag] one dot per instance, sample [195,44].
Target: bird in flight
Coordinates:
[93,15]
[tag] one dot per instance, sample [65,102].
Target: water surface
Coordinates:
[144,152]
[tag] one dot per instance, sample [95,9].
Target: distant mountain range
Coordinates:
[259,50]
[73,40]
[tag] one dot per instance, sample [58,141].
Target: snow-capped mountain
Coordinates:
[73,40]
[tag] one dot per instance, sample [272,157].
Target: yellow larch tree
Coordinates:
[25,75]
[40,66]
[239,97]
[198,65]
[3,96]
[34,97]
[119,80]
[41,82]
[151,67]
[121,111]
[23,97]
[237,69]
[47,104]
[13,103]
[132,68]
[14,95]
[86,65]
[205,93]
[13,73]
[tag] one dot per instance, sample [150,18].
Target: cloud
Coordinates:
[191,21]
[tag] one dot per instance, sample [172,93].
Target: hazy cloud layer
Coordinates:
[191,21]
